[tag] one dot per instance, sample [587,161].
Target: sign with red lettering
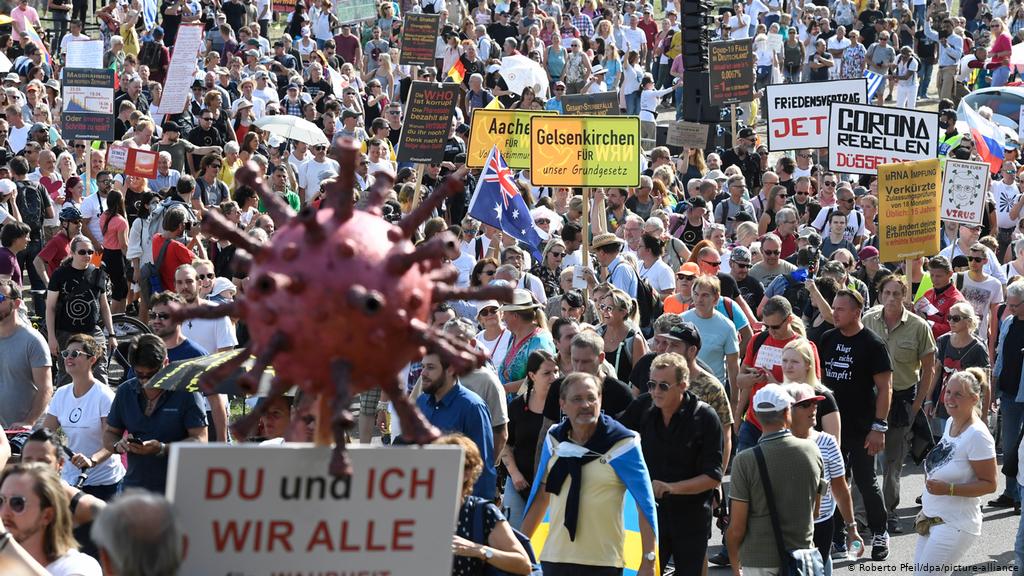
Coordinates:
[798,113]
[141,163]
[731,67]
[265,510]
[962,183]
[428,121]
[861,138]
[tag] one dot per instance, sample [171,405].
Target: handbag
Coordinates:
[923,524]
[478,536]
[149,274]
[802,562]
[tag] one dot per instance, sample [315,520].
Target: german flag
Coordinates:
[457,72]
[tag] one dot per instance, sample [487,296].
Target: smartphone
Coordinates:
[132,440]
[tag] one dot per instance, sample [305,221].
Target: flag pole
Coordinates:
[585,248]
[416,188]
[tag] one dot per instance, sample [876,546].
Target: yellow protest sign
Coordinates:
[585,151]
[509,130]
[908,209]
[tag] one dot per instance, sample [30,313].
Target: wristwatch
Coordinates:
[650,556]
[488,553]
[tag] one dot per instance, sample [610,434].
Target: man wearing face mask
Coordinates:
[950,139]
[743,155]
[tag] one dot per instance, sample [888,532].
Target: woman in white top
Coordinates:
[81,411]
[958,472]
[649,98]
[495,339]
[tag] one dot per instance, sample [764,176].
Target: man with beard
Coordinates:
[163,325]
[739,268]
[182,151]
[213,335]
[203,135]
[743,155]
[454,408]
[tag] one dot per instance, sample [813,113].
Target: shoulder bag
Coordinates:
[802,562]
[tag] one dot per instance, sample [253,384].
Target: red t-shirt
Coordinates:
[769,356]
[177,254]
[55,251]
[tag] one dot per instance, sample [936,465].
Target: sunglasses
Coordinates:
[86,252]
[214,165]
[954,318]
[830,184]
[847,200]
[771,252]
[487,312]
[712,263]
[160,316]
[209,276]
[17,503]
[663,386]
[684,277]
[774,326]
[488,272]
[144,376]
[978,259]
[557,254]
[207,119]
[802,193]
[740,265]
[74,354]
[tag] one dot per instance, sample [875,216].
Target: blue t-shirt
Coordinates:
[717,339]
[175,414]
[462,410]
[186,350]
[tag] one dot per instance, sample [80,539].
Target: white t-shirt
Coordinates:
[744,27]
[635,39]
[854,223]
[80,420]
[1005,196]
[309,175]
[464,263]
[18,137]
[837,44]
[496,349]
[92,207]
[981,296]
[74,563]
[210,334]
[903,67]
[950,461]
[659,275]
[755,9]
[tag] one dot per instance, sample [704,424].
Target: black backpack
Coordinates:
[150,55]
[796,293]
[648,302]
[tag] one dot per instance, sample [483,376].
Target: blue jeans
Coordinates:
[679,102]
[1000,76]
[1013,417]
[1018,546]
[633,104]
[515,506]
[924,77]
[919,12]
[748,436]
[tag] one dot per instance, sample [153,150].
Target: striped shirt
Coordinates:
[834,468]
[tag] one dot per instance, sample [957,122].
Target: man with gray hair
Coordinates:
[1006,379]
[138,535]
[783,470]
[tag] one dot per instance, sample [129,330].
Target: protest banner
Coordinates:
[355,10]
[263,510]
[731,70]
[88,112]
[685,134]
[963,184]
[117,158]
[283,6]
[141,163]
[419,38]
[84,54]
[509,130]
[178,86]
[585,151]
[428,115]
[776,42]
[908,209]
[861,138]
[599,104]
[798,113]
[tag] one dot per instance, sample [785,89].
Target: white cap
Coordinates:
[772,398]
[7,187]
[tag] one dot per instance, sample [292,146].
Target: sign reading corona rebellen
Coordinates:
[585,151]
[509,130]
[861,138]
[908,209]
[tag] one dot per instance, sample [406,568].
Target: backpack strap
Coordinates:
[960,281]
[163,252]
[759,341]
[727,304]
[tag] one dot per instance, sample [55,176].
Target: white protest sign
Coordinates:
[861,138]
[798,113]
[178,84]
[776,42]
[84,54]
[963,186]
[265,510]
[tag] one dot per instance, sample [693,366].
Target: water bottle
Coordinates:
[854,550]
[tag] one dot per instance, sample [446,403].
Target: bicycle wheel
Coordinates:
[125,327]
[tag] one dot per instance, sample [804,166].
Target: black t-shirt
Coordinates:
[826,406]
[78,300]
[169,22]
[867,32]
[204,137]
[729,287]
[500,32]
[523,433]
[615,397]
[324,86]
[848,367]
[819,74]
[751,290]
[1009,377]
[692,234]
[32,203]
[234,13]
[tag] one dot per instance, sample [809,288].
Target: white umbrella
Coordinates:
[520,72]
[293,128]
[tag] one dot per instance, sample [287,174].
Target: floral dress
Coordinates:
[853,61]
[513,367]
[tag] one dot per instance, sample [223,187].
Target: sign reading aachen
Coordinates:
[509,130]
[586,151]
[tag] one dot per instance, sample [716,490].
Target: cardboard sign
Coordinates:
[84,54]
[117,158]
[429,111]
[962,186]
[509,130]
[731,68]
[908,209]
[776,42]
[178,85]
[283,6]
[861,138]
[265,510]
[141,163]
[88,112]
[419,38]
[648,135]
[687,134]
[599,104]
[586,151]
[798,113]
[356,10]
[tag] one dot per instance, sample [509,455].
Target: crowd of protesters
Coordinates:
[732,305]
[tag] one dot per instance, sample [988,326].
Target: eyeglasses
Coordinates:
[846,200]
[487,312]
[86,252]
[209,276]
[17,503]
[557,254]
[954,318]
[663,386]
[978,259]
[145,376]
[846,264]
[207,118]
[827,183]
[771,252]
[804,155]
[712,263]
[160,316]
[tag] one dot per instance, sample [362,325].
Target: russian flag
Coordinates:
[988,139]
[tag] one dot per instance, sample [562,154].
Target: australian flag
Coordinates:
[497,202]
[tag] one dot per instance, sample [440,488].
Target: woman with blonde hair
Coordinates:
[525,319]
[958,472]
[623,342]
[957,350]
[800,366]
[500,547]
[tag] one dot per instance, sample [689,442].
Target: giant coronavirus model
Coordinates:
[338,302]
